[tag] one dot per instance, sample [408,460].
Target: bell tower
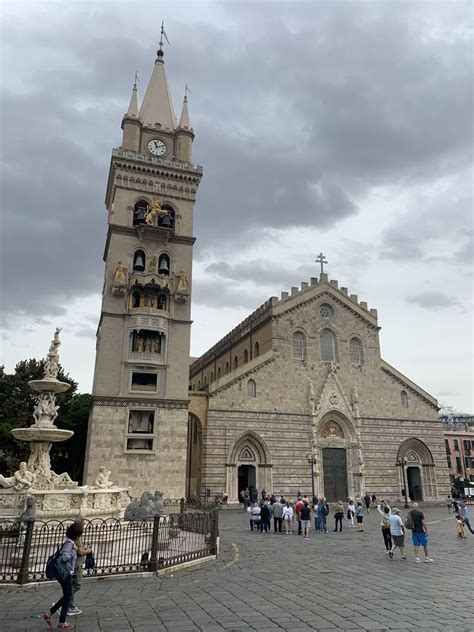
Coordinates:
[139,418]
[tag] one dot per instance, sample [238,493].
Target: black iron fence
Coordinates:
[119,547]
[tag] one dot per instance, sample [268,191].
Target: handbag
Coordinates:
[89,562]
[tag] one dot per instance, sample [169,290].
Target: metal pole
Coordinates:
[405,484]
[312,476]
[154,544]
[25,558]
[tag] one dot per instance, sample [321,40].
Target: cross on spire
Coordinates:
[322,260]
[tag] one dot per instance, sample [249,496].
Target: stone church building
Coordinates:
[299,391]
[301,379]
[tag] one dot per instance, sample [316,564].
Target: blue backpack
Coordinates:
[51,567]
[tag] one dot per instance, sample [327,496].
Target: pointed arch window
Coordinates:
[404,399]
[205,381]
[227,367]
[251,388]
[328,346]
[164,265]
[218,372]
[246,355]
[136,298]
[162,301]
[298,346]
[139,211]
[256,350]
[139,261]
[212,376]
[236,362]
[355,348]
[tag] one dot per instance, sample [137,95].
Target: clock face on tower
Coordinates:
[156,147]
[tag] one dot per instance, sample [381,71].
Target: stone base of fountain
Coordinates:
[63,504]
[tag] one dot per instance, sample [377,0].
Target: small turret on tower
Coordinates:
[184,133]
[131,124]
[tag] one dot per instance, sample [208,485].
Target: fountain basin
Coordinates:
[49,385]
[44,435]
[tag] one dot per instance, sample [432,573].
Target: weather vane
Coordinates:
[163,35]
[322,260]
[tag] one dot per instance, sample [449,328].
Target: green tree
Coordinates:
[69,456]
[17,402]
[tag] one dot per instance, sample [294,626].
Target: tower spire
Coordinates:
[157,106]
[184,118]
[133,107]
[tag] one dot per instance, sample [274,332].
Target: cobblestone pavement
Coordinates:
[339,581]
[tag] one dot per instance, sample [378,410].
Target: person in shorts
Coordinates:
[397,533]
[419,534]
[305,517]
[359,512]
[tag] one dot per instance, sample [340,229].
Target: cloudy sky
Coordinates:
[342,127]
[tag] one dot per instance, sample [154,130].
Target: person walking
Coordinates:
[419,534]
[82,551]
[351,513]
[359,512]
[67,558]
[384,511]
[338,515]
[460,527]
[464,513]
[277,510]
[397,533]
[305,517]
[288,518]
[265,518]
[367,502]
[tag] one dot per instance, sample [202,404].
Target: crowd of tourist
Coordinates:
[295,517]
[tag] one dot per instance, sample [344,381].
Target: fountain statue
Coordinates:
[55,495]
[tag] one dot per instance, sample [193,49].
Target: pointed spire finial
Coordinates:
[160,52]
[137,80]
[133,106]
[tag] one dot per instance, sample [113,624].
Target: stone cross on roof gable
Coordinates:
[322,260]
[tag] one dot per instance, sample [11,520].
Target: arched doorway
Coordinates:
[247,479]
[335,474]
[193,465]
[415,490]
[339,470]
[248,465]
[419,468]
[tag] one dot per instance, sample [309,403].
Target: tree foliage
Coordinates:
[17,402]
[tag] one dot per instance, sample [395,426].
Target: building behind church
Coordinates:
[302,379]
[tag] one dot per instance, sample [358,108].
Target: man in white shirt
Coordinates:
[397,531]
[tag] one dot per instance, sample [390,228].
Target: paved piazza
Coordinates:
[339,581]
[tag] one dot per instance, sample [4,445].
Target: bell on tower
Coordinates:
[164,265]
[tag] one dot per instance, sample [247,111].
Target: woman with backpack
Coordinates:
[385,512]
[65,563]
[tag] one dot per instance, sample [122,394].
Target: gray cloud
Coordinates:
[433,300]
[295,124]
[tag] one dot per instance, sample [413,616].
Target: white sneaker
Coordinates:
[417,560]
[74,610]
[428,560]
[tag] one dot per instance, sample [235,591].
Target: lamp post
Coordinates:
[312,462]
[401,463]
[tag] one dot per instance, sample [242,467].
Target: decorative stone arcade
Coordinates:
[248,455]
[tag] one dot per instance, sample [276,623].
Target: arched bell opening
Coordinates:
[164,265]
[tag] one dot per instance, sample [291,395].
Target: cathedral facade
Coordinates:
[298,398]
[139,418]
